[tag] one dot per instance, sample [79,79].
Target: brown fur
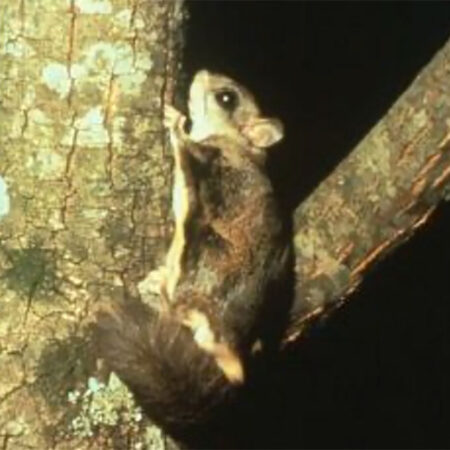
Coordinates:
[177,384]
[236,245]
[226,267]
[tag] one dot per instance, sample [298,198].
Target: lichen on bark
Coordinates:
[85,169]
[376,198]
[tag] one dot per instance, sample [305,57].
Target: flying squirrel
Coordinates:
[228,259]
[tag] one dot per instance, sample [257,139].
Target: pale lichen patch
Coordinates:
[132,85]
[16,427]
[4,198]
[44,163]
[123,18]
[117,134]
[56,78]
[39,117]
[101,57]
[92,6]
[308,241]
[97,61]
[119,59]
[420,119]
[18,48]
[90,129]
[111,406]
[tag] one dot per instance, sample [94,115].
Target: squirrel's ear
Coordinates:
[263,132]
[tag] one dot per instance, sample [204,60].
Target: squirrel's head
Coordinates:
[219,106]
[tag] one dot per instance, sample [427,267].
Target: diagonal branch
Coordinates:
[376,198]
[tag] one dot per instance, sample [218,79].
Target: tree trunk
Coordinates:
[84,183]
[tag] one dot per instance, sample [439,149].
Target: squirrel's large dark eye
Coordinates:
[227,99]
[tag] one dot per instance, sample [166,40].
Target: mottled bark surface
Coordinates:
[376,198]
[84,183]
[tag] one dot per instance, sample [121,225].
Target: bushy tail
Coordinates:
[179,386]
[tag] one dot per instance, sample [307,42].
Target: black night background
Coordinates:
[376,375]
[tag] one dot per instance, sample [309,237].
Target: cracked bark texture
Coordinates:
[376,198]
[85,179]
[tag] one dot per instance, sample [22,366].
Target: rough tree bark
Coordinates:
[376,198]
[84,178]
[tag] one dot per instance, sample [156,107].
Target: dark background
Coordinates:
[376,375]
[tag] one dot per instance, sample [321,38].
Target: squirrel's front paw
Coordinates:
[172,117]
[153,285]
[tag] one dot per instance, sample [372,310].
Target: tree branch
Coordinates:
[376,198]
